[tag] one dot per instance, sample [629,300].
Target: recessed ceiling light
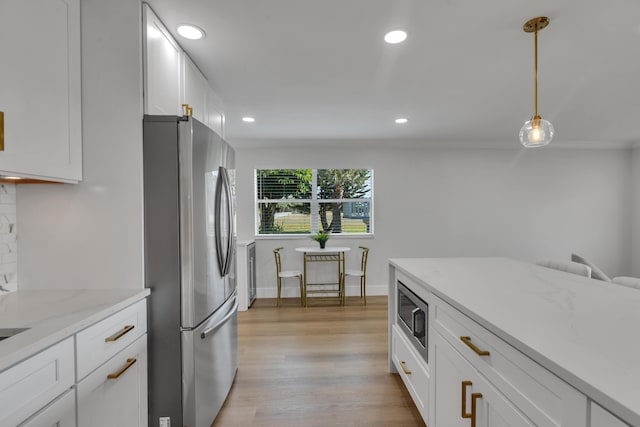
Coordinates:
[401,121]
[393,37]
[248,119]
[190,32]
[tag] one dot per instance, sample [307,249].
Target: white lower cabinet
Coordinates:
[246,275]
[115,394]
[474,378]
[60,413]
[542,397]
[112,370]
[464,397]
[30,385]
[602,418]
[103,340]
[412,370]
[103,382]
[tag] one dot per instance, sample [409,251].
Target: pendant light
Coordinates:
[536,132]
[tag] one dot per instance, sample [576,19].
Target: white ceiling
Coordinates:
[320,70]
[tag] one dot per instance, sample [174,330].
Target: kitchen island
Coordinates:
[564,348]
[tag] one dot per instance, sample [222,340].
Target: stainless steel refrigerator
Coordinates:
[190,267]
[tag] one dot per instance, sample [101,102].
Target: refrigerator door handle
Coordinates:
[229,243]
[218,199]
[222,321]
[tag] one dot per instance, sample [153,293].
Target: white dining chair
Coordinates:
[361,274]
[284,274]
[596,273]
[567,266]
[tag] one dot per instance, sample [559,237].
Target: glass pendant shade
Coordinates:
[536,132]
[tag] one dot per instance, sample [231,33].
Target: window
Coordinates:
[304,201]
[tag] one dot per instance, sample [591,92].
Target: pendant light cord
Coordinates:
[535,74]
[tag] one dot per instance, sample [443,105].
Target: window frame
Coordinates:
[314,204]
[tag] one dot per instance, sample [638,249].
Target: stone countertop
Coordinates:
[583,330]
[55,315]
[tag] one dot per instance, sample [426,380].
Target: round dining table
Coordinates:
[314,254]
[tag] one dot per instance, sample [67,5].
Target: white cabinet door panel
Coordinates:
[215,112]
[121,401]
[162,68]
[602,418]
[495,410]
[411,369]
[40,89]
[452,399]
[450,371]
[30,385]
[195,88]
[60,413]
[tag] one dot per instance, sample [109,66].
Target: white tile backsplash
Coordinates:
[8,239]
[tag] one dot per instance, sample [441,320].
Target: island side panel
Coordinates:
[391,317]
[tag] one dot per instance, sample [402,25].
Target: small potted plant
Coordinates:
[321,238]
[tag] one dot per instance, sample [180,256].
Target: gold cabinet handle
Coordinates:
[129,364]
[119,334]
[474,404]
[474,398]
[472,346]
[188,111]
[1,130]
[463,405]
[403,365]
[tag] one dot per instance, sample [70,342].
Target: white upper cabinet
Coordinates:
[194,90]
[162,68]
[40,89]
[172,79]
[214,112]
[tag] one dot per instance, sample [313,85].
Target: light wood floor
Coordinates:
[319,366]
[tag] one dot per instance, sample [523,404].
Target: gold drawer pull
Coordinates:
[129,364]
[472,346]
[403,365]
[119,334]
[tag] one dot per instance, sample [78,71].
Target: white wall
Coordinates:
[636,211]
[90,235]
[525,204]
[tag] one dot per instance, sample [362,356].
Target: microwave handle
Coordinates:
[414,312]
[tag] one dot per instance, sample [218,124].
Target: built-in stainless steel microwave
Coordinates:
[413,317]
